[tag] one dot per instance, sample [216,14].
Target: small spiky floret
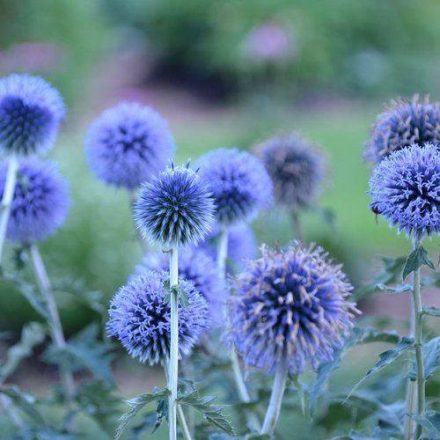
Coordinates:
[30,113]
[291,306]
[40,203]
[175,208]
[296,169]
[129,144]
[242,245]
[196,266]
[239,182]
[140,313]
[402,124]
[405,189]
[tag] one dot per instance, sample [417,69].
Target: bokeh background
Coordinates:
[224,73]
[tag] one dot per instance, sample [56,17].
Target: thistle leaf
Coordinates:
[416,259]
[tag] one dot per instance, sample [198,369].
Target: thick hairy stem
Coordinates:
[276,399]
[243,392]
[296,226]
[8,195]
[55,323]
[173,367]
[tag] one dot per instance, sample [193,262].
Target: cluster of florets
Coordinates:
[196,266]
[296,169]
[239,183]
[291,306]
[403,124]
[140,313]
[40,202]
[30,113]
[405,189]
[175,208]
[128,145]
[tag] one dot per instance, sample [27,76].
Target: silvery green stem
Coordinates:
[8,195]
[276,399]
[296,226]
[55,323]
[243,392]
[173,368]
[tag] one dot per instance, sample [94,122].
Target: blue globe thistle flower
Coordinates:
[175,208]
[239,182]
[291,306]
[242,245]
[196,266]
[128,144]
[402,124]
[405,189]
[296,169]
[30,113]
[139,317]
[40,203]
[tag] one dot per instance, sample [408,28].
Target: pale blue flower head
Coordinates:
[291,306]
[175,208]
[140,312]
[128,145]
[30,114]
[405,189]
[239,183]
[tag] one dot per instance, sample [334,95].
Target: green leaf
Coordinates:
[32,335]
[358,336]
[386,358]
[25,402]
[417,258]
[431,357]
[431,311]
[431,423]
[211,413]
[135,405]
[85,350]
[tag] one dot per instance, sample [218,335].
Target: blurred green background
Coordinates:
[228,74]
[224,73]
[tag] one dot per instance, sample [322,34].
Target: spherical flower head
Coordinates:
[196,266]
[175,208]
[402,124]
[296,168]
[292,307]
[139,317]
[129,144]
[30,114]
[242,245]
[239,182]
[40,203]
[405,189]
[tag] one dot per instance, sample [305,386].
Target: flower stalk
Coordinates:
[276,399]
[8,195]
[173,367]
[55,322]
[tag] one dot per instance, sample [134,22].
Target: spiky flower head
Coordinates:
[239,182]
[196,266]
[40,203]
[291,306]
[402,124]
[405,189]
[175,208]
[296,169]
[140,313]
[30,114]
[129,144]
[242,245]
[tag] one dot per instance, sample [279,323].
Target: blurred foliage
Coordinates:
[75,28]
[372,46]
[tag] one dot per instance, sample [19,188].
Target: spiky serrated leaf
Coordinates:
[211,413]
[135,405]
[416,259]
[25,402]
[32,335]
[431,358]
